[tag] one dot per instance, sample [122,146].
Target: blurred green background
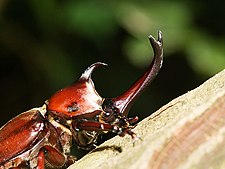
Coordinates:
[45,45]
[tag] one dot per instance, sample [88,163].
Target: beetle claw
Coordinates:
[135,139]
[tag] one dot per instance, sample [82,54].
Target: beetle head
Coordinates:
[81,99]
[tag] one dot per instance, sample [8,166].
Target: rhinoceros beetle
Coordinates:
[42,137]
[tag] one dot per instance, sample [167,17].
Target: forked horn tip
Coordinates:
[157,42]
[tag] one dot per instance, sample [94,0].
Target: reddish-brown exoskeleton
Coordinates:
[43,136]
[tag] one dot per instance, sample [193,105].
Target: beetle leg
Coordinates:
[52,156]
[132,120]
[70,160]
[41,159]
[97,126]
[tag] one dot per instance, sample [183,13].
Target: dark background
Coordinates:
[46,45]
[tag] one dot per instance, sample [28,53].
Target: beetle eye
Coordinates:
[107,114]
[107,117]
[73,107]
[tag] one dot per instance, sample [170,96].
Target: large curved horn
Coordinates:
[124,101]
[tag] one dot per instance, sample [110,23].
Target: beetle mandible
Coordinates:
[43,136]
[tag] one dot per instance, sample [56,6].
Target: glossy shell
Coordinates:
[20,134]
[78,99]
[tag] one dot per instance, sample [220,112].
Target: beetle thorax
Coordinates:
[77,99]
